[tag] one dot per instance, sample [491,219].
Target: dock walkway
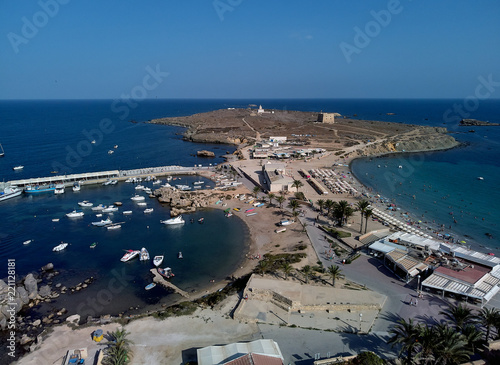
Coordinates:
[160,280]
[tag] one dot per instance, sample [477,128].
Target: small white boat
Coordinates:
[110,152]
[102,223]
[176,220]
[99,215]
[480,178]
[114,226]
[183,187]
[148,191]
[75,214]
[400,167]
[55,219]
[17,168]
[199,182]
[76,187]
[150,286]
[144,256]
[27,242]
[129,180]
[85,203]
[137,198]
[127,212]
[179,255]
[110,209]
[149,210]
[142,204]
[157,260]
[59,189]
[115,146]
[60,247]
[157,182]
[99,207]
[139,187]
[93,141]
[129,255]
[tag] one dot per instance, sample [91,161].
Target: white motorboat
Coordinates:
[179,255]
[98,207]
[59,189]
[115,146]
[17,168]
[157,182]
[27,242]
[183,187]
[8,192]
[114,226]
[142,204]
[93,141]
[60,247]
[166,185]
[75,214]
[149,210]
[139,187]
[98,215]
[129,180]
[129,255]
[148,191]
[55,220]
[76,187]
[85,203]
[127,212]
[199,182]
[169,178]
[480,178]
[144,256]
[110,152]
[176,220]
[110,209]
[103,222]
[157,260]
[137,198]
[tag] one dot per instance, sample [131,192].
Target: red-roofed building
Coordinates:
[259,352]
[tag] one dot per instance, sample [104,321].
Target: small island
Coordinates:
[476,123]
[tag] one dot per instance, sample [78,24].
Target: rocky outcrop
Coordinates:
[31,285]
[186,201]
[476,123]
[205,153]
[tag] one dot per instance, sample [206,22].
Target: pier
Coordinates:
[102,176]
[160,280]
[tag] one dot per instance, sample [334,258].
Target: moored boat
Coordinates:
[75,214]
[99,207]
[129,255]
[150,286]
[60,247]
[149,210]
[176,220]
[114,226]
[179,255]
[37,189]
[166,272]
[144,255]
[85,203]
[76,187]
[8,192]
[127,212]
[17,168]
[110,209]
[93,245]
[137,198]
[157,260]
[59,189]
[103,222]
[27,242]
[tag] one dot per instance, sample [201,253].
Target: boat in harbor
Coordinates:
[144,255]
[148,210]
[60,247]
[110,209]
[114,226]
[129,255]
[150,286]
[199,182]
[157,260]
[85,203]
[166,272]
[75,214]
[201,220]
[59,189]
[137,198]
[183,187]
[102,223]
[27,242]
[179,255]
[127,212]
[110,152]
[2,152]
[7,192]
[99,207]
[17,168]
[38,189]
[76,187]
[55,220]
[110,182]
[93,245]
[176,220]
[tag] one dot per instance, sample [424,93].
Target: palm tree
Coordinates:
[335,273]
[368,214]
[362,206]
[488,317]
[271,196]
[256,190]
[307,271]
[321,204]
[295,214]
[452,346]
[287,269]
[474,337]
[426,344]
[405,334]
[329,204]
[297,184]
[262,267]
[459,315]
[280,199]
[294,204]
[118,351]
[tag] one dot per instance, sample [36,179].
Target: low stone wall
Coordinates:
[337,307]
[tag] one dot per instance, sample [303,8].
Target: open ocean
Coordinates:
[53,135]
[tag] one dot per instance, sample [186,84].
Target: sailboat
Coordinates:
[2,152]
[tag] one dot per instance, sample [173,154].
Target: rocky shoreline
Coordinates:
[476,123]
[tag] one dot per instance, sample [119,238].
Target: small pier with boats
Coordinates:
[160,280]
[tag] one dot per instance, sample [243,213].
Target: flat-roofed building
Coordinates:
[326,117]
[275,174]
[259,352]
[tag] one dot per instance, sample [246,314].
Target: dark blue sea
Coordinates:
[47,136]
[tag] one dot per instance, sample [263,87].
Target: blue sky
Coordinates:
[248,48]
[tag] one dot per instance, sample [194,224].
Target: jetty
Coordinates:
[160,280]
[102,176]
